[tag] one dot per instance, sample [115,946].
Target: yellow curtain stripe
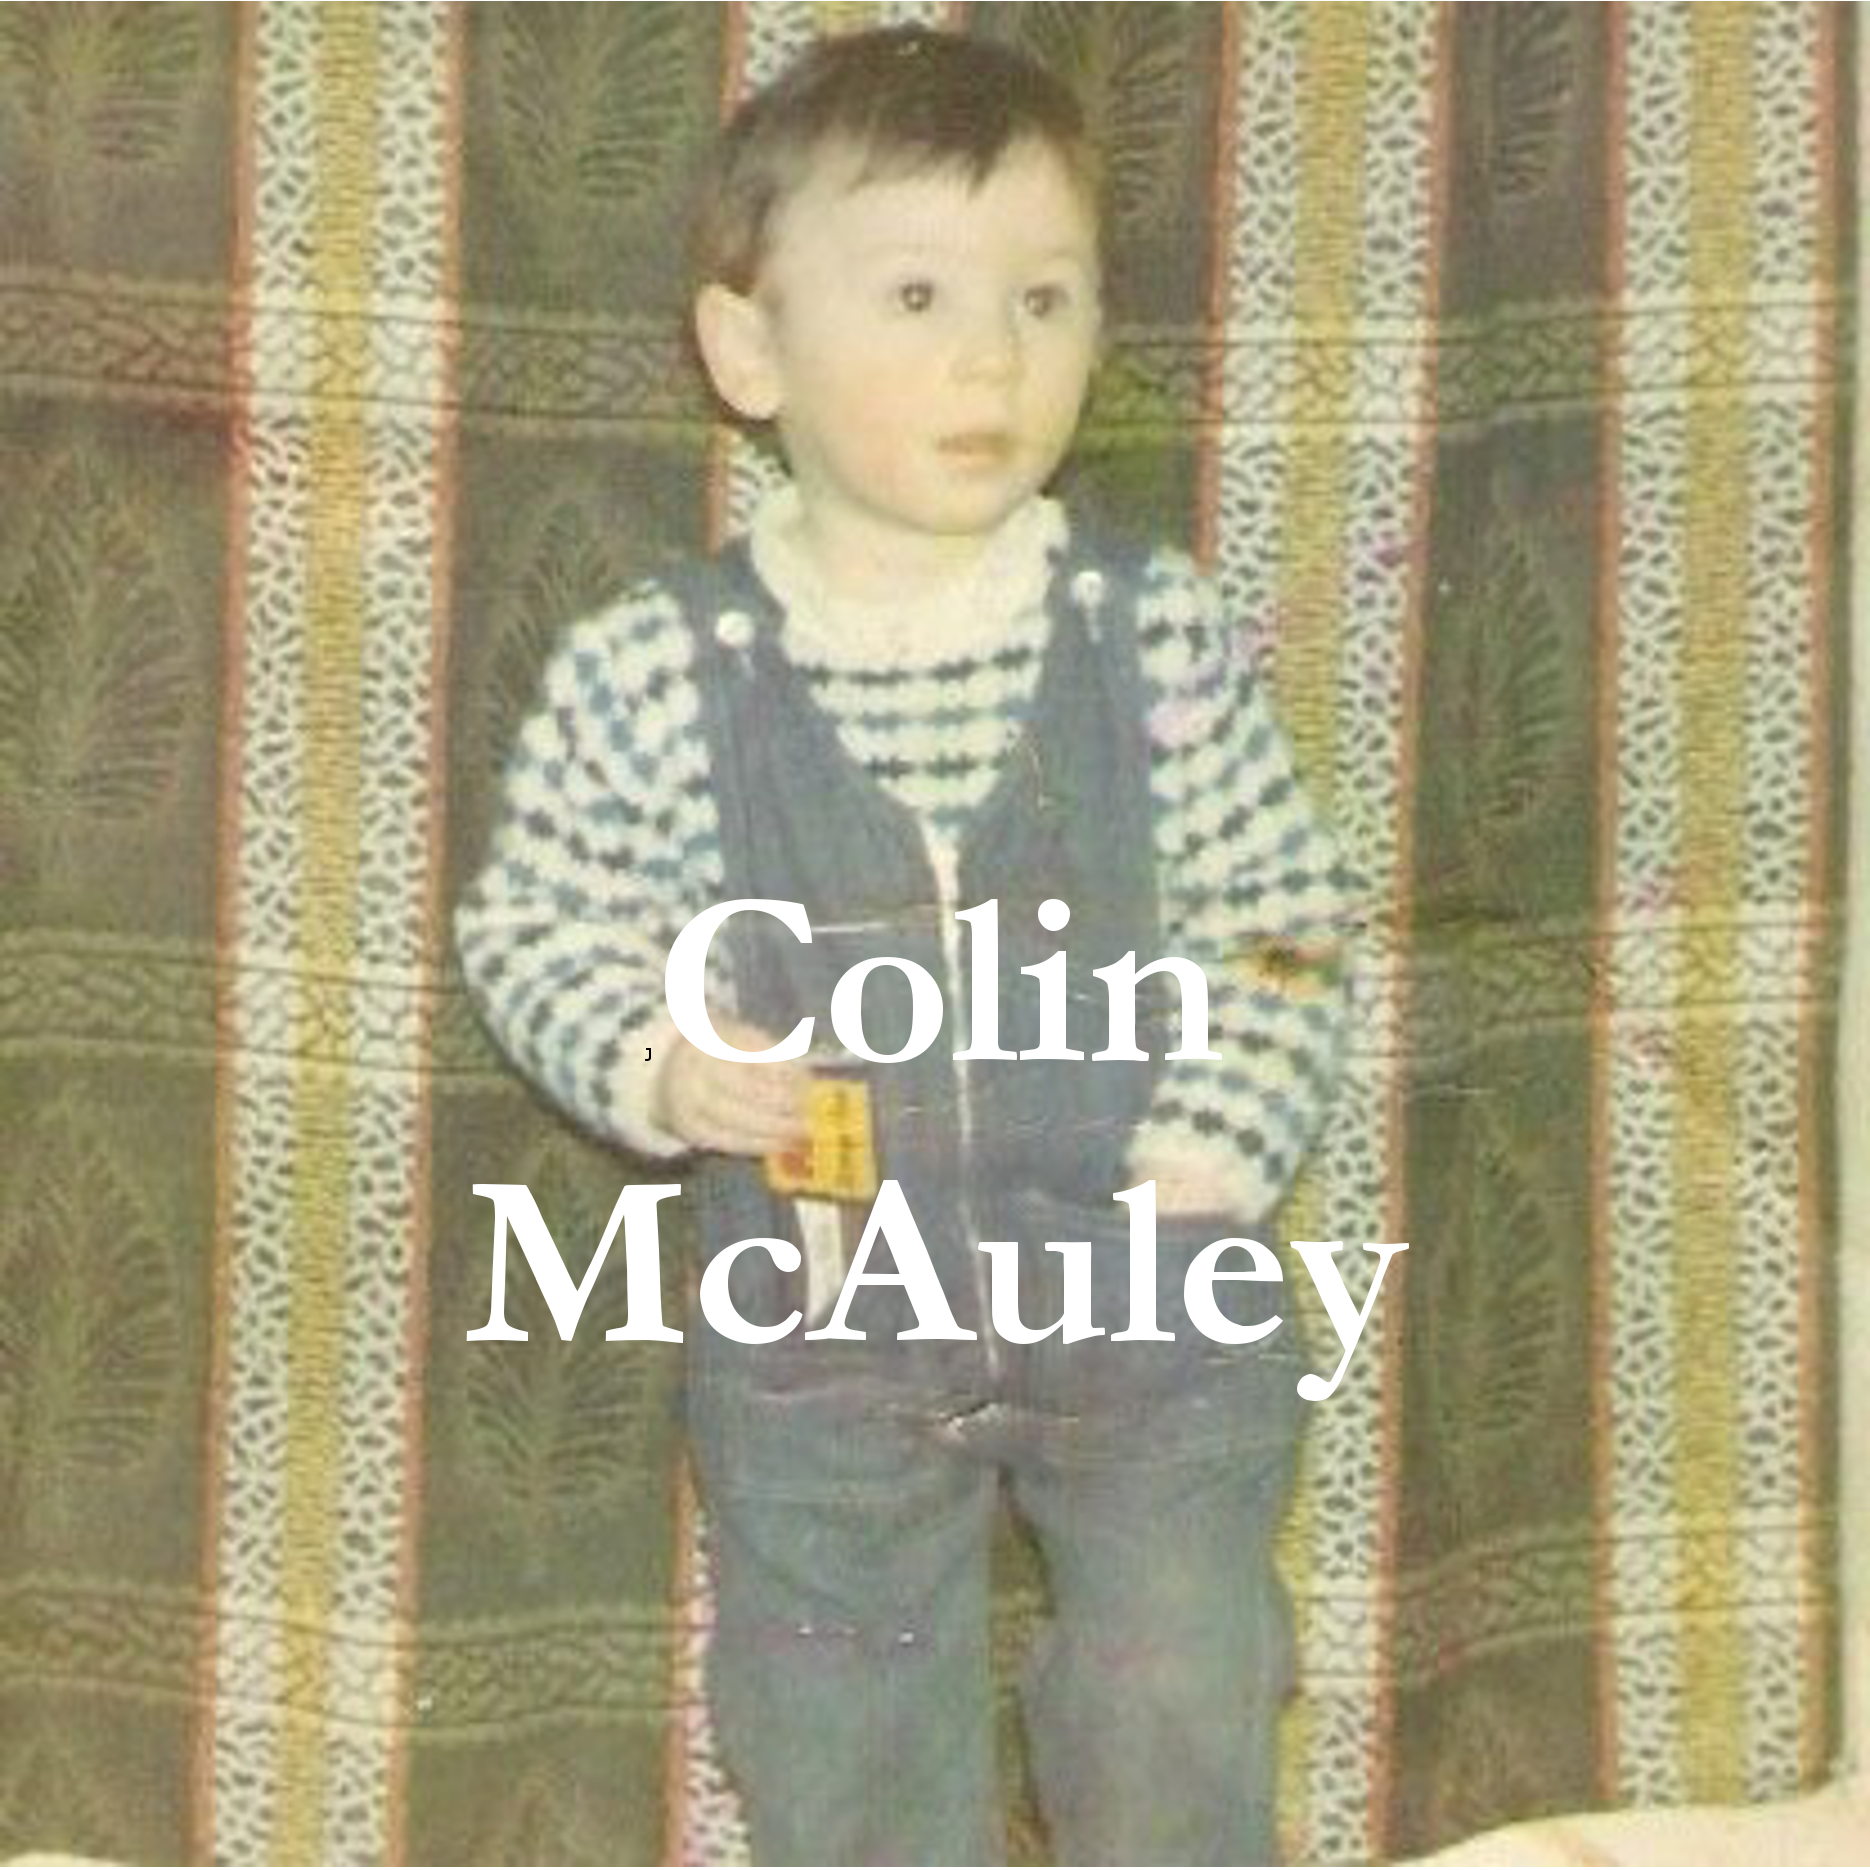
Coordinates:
[1335,70]
[841,16]
[1708,1228]
[343,215]
[1332,105]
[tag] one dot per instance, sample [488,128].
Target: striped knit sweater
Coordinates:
[608,842]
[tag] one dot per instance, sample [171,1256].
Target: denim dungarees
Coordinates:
[851,1487]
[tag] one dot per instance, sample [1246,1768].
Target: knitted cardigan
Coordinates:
[607,842]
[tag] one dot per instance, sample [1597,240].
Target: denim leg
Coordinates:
[1152,1703]
[849,1673]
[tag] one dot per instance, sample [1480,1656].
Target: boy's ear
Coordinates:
[736,342]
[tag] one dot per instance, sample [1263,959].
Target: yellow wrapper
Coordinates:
[838,1160]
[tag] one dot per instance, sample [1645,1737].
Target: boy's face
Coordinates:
[924,346]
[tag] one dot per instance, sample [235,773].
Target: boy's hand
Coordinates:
[1191,1178]
[738,1109]
[1190,1195]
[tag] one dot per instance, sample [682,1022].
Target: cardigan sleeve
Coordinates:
[1253,890]
[606,844]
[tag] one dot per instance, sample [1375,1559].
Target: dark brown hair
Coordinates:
[903,100]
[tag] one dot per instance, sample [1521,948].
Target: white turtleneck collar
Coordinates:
[969,614]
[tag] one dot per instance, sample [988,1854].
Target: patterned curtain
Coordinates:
[1492,356]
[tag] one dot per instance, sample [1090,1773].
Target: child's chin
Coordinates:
[978,509]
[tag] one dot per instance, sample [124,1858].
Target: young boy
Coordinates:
[918,687]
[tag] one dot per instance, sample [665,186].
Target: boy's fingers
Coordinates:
[735,1108]
[747,1130]
[1182,1197]
[732,1117]
[776,1099]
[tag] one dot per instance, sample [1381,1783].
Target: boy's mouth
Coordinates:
[978,446]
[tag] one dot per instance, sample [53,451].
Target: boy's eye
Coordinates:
[1046,301]
[915,295]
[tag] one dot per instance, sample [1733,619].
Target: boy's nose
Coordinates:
[989,349]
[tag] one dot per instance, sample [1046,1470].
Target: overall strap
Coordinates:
[728,612]
[1103,580]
